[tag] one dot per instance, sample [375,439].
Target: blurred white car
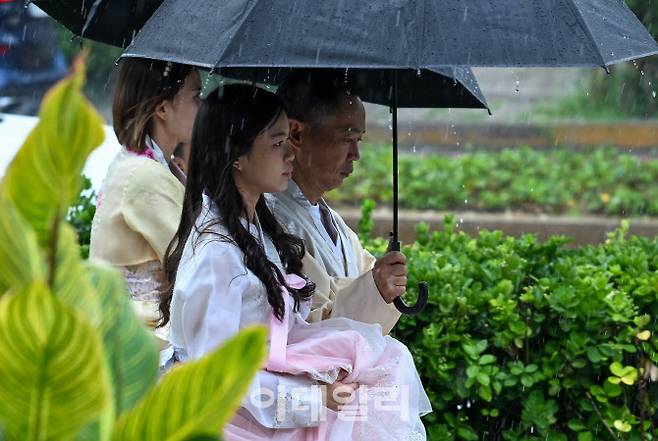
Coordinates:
[15,128]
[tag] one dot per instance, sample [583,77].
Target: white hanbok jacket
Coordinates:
[215,296]
[344,287]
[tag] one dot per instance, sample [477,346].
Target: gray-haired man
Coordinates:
[327,122]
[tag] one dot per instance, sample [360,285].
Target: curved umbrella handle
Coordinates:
[423,288]
[420,304]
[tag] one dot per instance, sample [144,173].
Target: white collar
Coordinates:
[157,151]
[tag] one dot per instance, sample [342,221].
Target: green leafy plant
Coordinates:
[528,340]
[81,214]
[75,361]
[558,181]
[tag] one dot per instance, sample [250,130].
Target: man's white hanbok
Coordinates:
[341,270]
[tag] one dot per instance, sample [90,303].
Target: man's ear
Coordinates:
[297,133]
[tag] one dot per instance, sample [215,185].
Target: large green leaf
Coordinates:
[100,429]
[131,350]
[197,398]
[44,178]
[19,251]
[53,374]
[71,282]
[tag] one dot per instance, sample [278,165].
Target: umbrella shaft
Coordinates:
[394,112]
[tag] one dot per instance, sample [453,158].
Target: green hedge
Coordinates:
[556,181]
[524,340]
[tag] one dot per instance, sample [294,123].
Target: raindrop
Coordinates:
[465,201]
[460,407]
[653,93]
[413,149]
[517,87]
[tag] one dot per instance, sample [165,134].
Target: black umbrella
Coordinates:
[395,36]
[412,34]
[113,22]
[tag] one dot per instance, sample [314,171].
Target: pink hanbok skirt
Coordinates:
[390,399]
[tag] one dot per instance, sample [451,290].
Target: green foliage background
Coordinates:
[524,340]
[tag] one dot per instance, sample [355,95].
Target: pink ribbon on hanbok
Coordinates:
[279,328]
[148,152]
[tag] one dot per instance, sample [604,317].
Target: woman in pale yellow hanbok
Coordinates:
[139,203]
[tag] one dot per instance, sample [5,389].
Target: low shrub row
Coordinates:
[557,181]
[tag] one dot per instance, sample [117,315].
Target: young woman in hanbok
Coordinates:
[140,201]
[232,265]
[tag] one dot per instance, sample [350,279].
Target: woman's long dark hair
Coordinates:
[225,128]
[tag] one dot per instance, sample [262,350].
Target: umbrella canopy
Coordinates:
[113,22]
[416,34]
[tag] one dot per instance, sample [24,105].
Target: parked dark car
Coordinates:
[30,58]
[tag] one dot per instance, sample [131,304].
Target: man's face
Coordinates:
[330,145]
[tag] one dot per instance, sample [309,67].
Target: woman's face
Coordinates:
[182,110]
[267,167]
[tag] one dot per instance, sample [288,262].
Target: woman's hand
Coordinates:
[338,394]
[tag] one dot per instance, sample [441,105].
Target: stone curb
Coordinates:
[583,230]
[641,135]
